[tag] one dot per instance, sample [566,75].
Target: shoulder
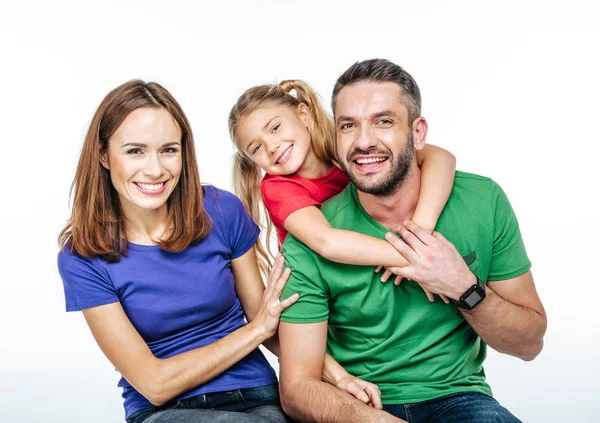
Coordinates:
[339,204]
[477,186]
[274,185]
[69,261]
[221,203]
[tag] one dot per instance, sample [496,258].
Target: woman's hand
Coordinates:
[267,318]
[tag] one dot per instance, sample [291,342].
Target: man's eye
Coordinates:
[275,128]
[385,122]
[346,126]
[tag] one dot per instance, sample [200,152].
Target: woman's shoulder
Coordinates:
[70,261]
[220,198]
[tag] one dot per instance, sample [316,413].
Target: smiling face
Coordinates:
[276,138]
[144,159]
[374,136]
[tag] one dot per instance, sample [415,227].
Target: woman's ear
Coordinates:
[419,131]
[104,160]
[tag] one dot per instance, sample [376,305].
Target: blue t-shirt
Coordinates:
[176,301]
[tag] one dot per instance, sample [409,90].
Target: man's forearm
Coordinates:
[310,400]
[507,327]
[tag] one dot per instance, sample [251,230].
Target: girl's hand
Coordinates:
[392,271]
[267,319]
[366,392]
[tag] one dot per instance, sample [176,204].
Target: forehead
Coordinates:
[148,125]
[254,122]
[366,98]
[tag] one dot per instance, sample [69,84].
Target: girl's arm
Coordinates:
[249,288]
[310,226]
[160,380]
[437,178]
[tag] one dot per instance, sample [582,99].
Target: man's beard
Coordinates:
[391,182]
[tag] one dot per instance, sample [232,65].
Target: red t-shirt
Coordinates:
[283,195]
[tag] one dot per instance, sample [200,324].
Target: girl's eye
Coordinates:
[134,151]
[275,128]
[255,149]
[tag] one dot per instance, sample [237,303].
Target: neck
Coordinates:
[313,167]
[145,227]
[391,210]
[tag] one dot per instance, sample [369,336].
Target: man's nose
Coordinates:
[365,138]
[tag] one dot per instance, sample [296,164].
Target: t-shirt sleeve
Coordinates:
[284,196]
[306,280]
[85,282]
[509,258]
[240,230]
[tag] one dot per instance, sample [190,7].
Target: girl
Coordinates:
[291,138]
[165,272]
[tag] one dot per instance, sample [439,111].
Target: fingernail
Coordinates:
[405,222]
[388,235]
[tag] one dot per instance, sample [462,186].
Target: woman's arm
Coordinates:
[249,288]
[160,380]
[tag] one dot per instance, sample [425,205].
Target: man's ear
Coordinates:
[304,113]
[419,131]
[104,160]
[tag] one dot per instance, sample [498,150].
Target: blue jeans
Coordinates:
[464,407]
[252,405]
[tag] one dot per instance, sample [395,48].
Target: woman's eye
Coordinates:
[275,128]
[170,150]
[134,151]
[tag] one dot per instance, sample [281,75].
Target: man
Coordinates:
[425,357]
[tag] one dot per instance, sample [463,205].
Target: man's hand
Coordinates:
[434,262]
[366,392]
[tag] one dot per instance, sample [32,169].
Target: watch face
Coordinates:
[472,299]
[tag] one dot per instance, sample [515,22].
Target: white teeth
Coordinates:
[370,160]
[287,153]
[150,187]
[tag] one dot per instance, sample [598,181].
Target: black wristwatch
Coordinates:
[472,296]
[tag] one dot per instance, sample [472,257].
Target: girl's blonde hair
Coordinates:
[247,175]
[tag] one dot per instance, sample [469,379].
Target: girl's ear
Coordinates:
[419,131]
[304,113]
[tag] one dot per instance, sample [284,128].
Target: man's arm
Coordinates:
[304,396]
[511,319]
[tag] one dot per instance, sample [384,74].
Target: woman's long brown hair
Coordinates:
[97,226]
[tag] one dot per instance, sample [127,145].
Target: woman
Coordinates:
[165,271]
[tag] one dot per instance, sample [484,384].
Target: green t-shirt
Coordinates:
[391,335]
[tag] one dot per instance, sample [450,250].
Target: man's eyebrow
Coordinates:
[343,118]
[253,140]
[384,113]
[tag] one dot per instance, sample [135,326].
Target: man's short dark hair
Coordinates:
[382,70]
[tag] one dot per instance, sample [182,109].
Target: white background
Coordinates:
[511,88]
